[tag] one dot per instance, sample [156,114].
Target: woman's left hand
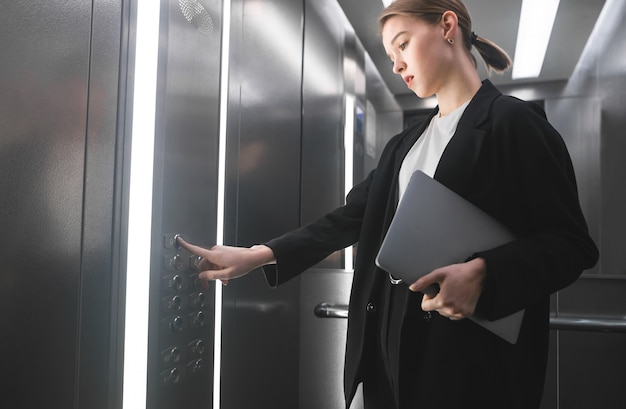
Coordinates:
[460,287]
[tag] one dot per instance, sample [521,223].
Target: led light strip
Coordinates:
[221,187]
[140,206]
[348,143]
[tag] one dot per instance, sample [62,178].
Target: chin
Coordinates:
[422,93]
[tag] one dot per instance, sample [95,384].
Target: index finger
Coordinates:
[196,250]
[428,284]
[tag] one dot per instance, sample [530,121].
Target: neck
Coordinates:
[458,90]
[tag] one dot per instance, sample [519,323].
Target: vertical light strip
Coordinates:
[348,143]
[140,206]
[533,35]
[221,188]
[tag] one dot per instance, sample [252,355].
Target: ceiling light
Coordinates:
[535,27]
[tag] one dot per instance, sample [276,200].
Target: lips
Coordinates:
[408,79]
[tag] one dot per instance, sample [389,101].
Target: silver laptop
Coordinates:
[434,227]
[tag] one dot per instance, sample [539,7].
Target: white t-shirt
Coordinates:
[427,150]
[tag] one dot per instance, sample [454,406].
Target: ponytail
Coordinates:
[495,58]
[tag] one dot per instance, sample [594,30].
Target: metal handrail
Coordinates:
[327,310]
[588,324]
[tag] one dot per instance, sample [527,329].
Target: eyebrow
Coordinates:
[397,35]
[395,38]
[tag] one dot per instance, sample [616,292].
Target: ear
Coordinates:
[449,24]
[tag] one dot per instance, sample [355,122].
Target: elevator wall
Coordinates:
[586,367]
[263,148]
[59,203]
[293,64]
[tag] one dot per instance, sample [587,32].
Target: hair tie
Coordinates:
[474,37]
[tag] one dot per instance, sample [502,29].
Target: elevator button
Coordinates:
[197,319]
[174,283]
[170,241]
[194,261]
[196,366]
[199,283]
[173,303]
[197,347]
[177,324]
[198,300]
[173,376]
[173,263]
[172,356]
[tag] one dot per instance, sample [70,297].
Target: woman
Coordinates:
[412,350]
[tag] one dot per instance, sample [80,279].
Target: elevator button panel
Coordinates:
[185,316]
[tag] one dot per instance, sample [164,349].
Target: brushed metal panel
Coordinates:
[44,80]
[260,325]
[578,121]
[592,370]
[613,169]
[97,385]
[184,195]
[323,341]
[323,111]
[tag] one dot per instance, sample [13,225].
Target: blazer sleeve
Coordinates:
[542,205]
[304,247]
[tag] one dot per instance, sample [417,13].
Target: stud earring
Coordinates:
[451,41]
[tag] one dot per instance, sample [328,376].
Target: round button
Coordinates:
[199,300]
[198,347]
[177,324]
[371,307]
[198,365]
[177,283]
[428,316]
[177,262]
[199,319]
[174,376]
[176,303]
[175,355]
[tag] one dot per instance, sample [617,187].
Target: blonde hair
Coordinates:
[495,58]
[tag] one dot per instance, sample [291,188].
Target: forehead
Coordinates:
[397,25]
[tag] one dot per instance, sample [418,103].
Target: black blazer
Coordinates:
[508,160]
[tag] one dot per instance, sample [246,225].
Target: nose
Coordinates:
[398,66]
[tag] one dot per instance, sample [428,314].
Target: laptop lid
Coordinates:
[434,227]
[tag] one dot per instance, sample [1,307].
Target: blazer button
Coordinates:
[428,316]
[370,307]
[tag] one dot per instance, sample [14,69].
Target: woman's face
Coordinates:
[419,52]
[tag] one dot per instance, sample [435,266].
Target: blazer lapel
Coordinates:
[459,158]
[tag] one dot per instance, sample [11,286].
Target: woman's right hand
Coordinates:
[225,262]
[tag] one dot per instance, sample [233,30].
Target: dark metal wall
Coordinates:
[58,134]
[181,331]
[587,367]
[291,66]
[260,325]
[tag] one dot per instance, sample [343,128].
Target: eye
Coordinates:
[403,46]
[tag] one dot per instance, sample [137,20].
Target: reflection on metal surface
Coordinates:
[326,310]
[263,307]
[588,324]
[197,15]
